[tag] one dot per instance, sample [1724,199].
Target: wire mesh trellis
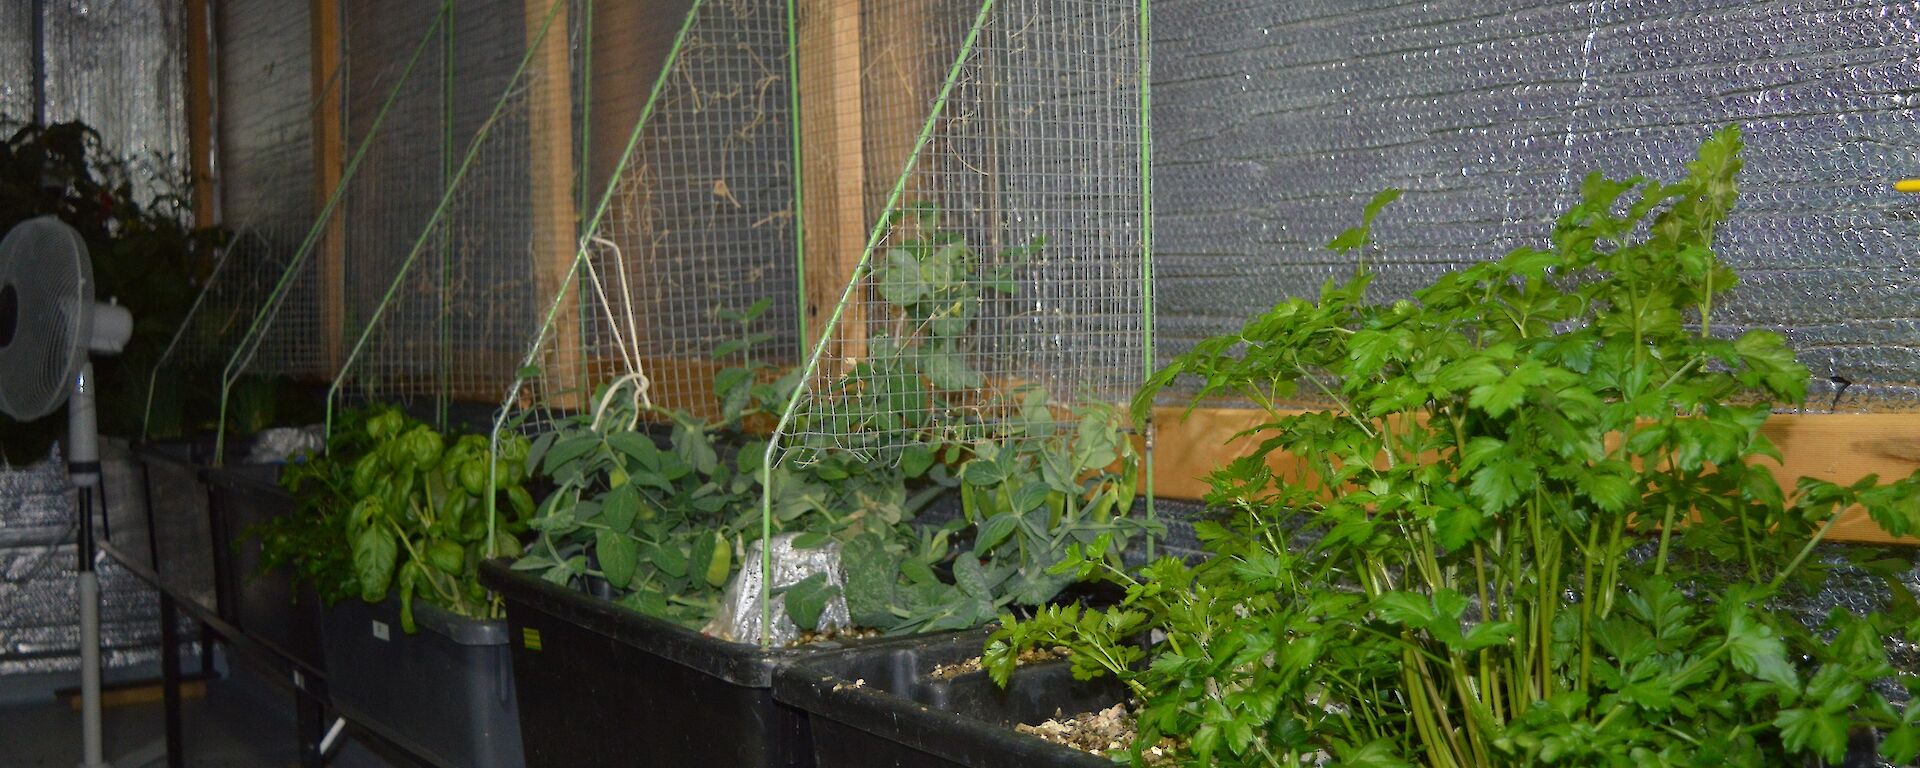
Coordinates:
[267,172]
[443,281]
[304,309]
[694,227]
[1004,150]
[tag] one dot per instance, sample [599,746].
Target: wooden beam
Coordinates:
[833,169]
[329,158]
[200,112]
[550,137]
[1838,447]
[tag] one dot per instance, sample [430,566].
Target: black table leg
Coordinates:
[170,678]
[313,727]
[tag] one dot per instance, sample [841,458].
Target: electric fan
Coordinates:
[49,323]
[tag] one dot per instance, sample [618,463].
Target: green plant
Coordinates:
[1026,500]
[1532,528]
[917,373]
[395,508]
[666,525]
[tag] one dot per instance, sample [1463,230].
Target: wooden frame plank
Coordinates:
[200,112]
[329,158]
[833,170]
[551,168]
[1838,447]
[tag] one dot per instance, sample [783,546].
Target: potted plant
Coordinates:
[1530,525]
[662,525]
[394,521]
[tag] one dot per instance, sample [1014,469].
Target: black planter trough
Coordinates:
[602,685]
[268,607]
[882,707]
[176,539]
[444,693]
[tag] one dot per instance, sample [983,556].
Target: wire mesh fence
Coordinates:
[300,322]
[687,262]
[1001,145]
[441,275]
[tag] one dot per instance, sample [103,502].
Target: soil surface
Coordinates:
[972,665]
[1109,731]
[850,633]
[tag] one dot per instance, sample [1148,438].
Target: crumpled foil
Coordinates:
[739,616]
[279,444]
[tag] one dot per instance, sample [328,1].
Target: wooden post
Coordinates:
[200,111]
[550,165]
[329,158]
[833,168]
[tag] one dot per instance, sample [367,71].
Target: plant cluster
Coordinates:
[1533,528]
[395,507]
[665,520]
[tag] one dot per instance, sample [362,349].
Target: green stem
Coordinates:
[1666,534]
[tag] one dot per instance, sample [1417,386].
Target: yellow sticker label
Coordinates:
[530,638]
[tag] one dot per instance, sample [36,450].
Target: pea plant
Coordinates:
[1533,524]
[665,520]
[1026,502]
[394,507]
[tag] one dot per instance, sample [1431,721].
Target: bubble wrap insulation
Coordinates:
[121,68]
[1274,122]
[39,619]
[264,114]
[16,63]
[739,616]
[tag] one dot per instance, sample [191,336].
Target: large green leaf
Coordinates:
[618,554]
[375,551]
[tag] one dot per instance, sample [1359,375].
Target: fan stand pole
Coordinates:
[83,465]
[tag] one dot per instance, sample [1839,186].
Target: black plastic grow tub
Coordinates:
[602,685]
[882,707]
[444,693]
[268,607]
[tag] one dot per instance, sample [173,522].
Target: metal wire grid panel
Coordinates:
[1002,147]
[694,227]
[266,180]
[301,319]
[442,232]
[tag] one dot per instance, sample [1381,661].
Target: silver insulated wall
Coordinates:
[1275,121]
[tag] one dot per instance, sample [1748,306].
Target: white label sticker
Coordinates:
[299,680]
[380,630]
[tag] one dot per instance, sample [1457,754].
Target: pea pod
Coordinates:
[721,565]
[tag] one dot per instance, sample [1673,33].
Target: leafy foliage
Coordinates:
[919,372]
[1026,502]
[394,507]
[1534,528]
[665,521]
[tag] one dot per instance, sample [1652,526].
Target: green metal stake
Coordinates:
[799,177]
[859,270]
[1146,247]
